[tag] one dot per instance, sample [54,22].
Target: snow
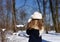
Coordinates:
[19,25]
[21,36]
[3,29]
[51,38]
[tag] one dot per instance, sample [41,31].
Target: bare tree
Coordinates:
[38,3]
[1,11]
[13,16]
[2,21]
[44,15]
[8,9]
[54,16]
[51,7]
[23,16]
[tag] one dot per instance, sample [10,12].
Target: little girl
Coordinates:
[35,27]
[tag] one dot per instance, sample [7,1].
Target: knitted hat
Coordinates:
[36,15]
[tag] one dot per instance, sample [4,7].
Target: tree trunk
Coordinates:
[58,30]
[2,36]
[44,16]
[7,7]
[53,15]
[13,16]
[38,6]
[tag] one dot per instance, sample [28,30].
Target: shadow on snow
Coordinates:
[45,41]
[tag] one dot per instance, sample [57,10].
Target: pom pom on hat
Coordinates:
[36,15]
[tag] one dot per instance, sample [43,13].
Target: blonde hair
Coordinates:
[39,23]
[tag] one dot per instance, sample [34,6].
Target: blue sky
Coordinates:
[19,3]
[32,6]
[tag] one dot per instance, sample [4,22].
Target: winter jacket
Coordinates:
[34,35]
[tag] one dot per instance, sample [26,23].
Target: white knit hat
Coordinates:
[36,15]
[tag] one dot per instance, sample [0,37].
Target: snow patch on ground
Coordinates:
[21,36]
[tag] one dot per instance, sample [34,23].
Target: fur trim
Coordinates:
[29,20]
[41,31]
